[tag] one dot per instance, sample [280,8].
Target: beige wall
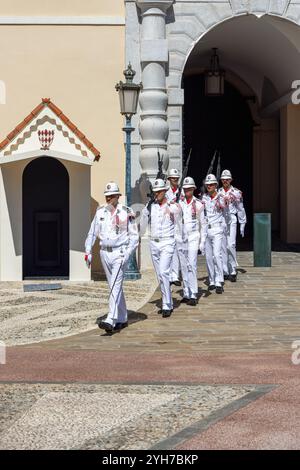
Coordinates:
[290,171]
[59,7]
[77,67]
[283,174]
[266,192]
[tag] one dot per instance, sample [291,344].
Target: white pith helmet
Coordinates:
[211,179]
[159,185]
[188,183]
[173,173]
[226,175]
[111,189]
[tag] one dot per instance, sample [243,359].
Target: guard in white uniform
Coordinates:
[191,236]
[218,219]
[161,216]
[115,226]
[234,199]
[171,195]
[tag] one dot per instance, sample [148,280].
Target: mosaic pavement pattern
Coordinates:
[28,317]
[260,312]
[108,416]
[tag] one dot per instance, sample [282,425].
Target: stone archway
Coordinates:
[188,32]
[169,32]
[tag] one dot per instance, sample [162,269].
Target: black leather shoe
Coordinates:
[226,277]
[219,290]
[212,287]
[120,326]
[184,300]
[192,302]
[232,277]
[166,313]
[176,283]
[106,326]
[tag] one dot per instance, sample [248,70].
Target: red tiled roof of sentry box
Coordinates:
[47,102]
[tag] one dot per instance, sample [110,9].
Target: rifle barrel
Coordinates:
[211,166]
[184,173]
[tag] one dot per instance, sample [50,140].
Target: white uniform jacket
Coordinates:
[114,227]
[234,200]
[161,218]
[193,222]
[216,211]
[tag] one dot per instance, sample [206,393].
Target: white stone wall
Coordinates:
[193,19]
[186,22]
[11,253]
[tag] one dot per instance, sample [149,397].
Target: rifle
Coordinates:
[211,167]
[209,171]
[218,174]
[160,175]
[184,174]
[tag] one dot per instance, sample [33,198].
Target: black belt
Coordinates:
[110,249]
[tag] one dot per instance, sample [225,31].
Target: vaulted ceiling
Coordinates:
[264,52]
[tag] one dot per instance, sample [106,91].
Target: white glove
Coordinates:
[88,260]
[242,230]
[202,248]
[126,256]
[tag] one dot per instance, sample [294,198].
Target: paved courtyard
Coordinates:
[219,375]
[27,317]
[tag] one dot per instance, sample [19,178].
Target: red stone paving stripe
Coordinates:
[72,366]
[199,426]
[272,422]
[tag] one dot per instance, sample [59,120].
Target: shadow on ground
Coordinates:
[133,317]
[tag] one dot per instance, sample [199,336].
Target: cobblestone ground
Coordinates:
[260,312]
[27,317]
[107,416]
[216,376]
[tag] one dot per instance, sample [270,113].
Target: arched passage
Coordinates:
[45,219]
[263,55]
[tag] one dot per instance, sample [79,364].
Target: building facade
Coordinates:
[73,53]
[60,63]
[254,124]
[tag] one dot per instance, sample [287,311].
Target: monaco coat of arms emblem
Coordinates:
[46,137]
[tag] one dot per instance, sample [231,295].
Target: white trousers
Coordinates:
[111,262]
[229,249]
[213,252]
[174,271]
[161,254]
[188,256]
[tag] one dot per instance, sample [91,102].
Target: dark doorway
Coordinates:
[224,123]
[45,219]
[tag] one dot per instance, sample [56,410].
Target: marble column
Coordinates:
[154,129]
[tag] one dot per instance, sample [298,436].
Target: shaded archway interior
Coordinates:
[221,123]
[45,219]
